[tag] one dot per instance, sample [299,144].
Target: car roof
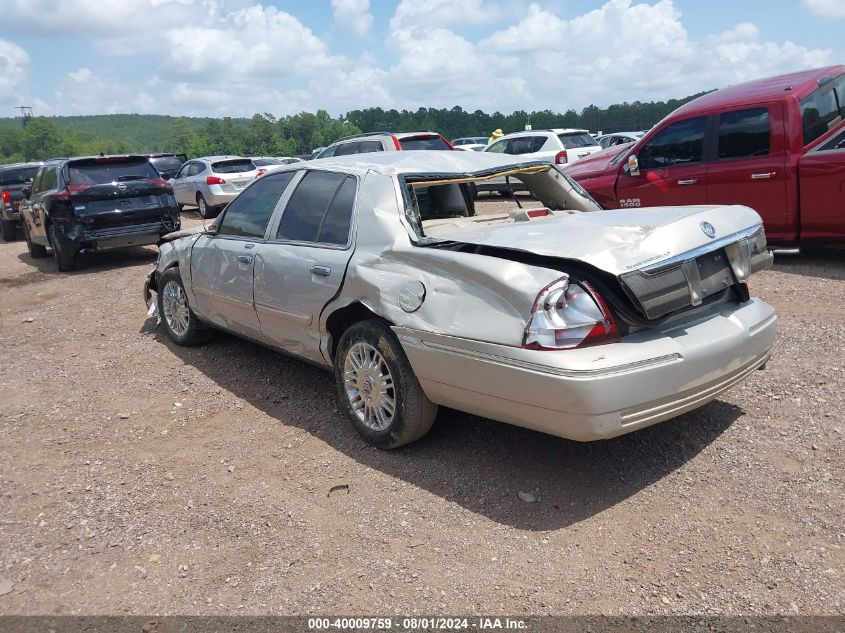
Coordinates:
[214,159]
[19,165]
[794,85]
[415,162]
[554,130]
[631,134]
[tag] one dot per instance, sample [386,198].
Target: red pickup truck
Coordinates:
[776,145]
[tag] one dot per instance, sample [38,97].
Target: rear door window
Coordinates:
[320,210]
[234,166]
[371,146]
[744,133]
[346,149]
[823,109]
[679,143]
[526,144]
[249,213]
[498,147]
[574,141]
[423,142]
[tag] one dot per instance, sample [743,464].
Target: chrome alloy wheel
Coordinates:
[369,386]
[174,305]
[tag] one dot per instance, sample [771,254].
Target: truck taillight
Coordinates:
[397,146]
[7,197]
[560,157]
[567,315]
[214,180]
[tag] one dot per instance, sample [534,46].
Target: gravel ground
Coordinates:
[138,477]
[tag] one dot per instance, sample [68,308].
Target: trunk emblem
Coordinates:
[709,229]
[121,187]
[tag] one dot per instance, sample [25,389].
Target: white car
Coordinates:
[559,146]
[472,147]
[212,182]
[618,138]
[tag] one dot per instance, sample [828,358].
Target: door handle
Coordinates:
[245,259]
[763,176]
[323,271]
[690,181]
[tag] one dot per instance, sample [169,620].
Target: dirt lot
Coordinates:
[138,477]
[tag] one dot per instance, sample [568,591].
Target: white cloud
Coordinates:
[353,15]
[826,8]
[238,57]
[13,64]
[443,13]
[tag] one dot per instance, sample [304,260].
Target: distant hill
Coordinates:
[138,131]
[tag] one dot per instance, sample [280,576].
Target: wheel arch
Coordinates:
[345,317]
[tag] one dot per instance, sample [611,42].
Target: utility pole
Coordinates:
[26,114]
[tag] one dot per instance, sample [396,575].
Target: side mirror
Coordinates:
[633,165]
[26,191]
[211,230]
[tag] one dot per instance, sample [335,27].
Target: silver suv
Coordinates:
[385,142]
[560,146]
[212,182]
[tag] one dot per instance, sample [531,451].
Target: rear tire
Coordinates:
[36,251]
[378,388]
[181,324]
[204,209]
[10,230]
[65,261]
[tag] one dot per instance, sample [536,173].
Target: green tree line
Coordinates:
[266,135]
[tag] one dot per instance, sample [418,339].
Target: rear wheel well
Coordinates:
[341,320]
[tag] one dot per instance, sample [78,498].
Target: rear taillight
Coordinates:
[76,188]
[214,180]
[160,182]
[567,315]
[7,197]
[260,173]
[396,143]
[448,144]
[560,157]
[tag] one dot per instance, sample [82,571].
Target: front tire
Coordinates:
[182,325]
[36,251]
[377,386]
[10,231]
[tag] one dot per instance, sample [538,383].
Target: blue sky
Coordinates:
[238,57]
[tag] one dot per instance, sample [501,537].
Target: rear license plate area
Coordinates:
[714,271]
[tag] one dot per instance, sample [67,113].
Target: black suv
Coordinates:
[91,203]
[13,179]
[167,164]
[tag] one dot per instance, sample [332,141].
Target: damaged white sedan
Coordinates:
[564,318]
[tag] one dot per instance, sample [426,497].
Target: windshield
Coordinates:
[823,109]
[18,176]
[108,170]
[233,166]
[166,163]
[573,141]
[423,142]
